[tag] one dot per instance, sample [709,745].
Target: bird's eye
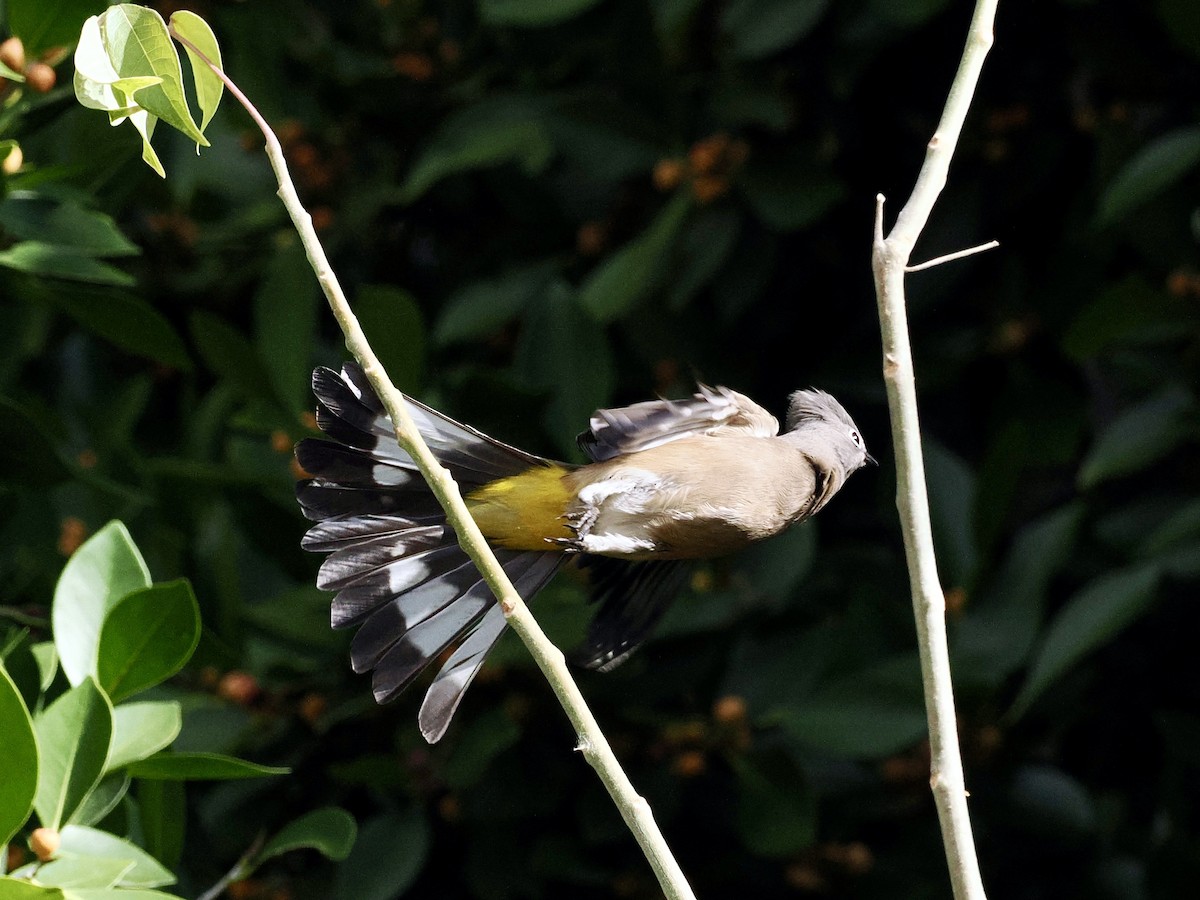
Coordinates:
[855,437]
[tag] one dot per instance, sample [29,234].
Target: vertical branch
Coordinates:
[890,256]
[591,740]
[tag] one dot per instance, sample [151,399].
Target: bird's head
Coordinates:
[816,411]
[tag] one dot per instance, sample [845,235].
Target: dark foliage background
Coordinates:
[544,207]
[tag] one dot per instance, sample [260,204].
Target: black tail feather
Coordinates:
[399,572]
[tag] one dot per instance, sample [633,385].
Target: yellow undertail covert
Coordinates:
[522,511]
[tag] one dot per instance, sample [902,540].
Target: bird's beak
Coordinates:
[872,460]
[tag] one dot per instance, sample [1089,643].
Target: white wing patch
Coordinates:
[613,517]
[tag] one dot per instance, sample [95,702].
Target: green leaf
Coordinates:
[126,321]
[481,136]
[392,320]
[776,567]
[27,455]
[228,354]
[146,872]
[484,738]
[118,893]
[18,759]
[1156,166]
[706,244]
[139,46]
[565,353]
[44,24]
[532,13]
[482,307]
[791,193]
[80,872]
[1121,310]
[996,635]
[73,736]
[1089,620]
[329,831]
[386,858]
[758,28]
[32,217]
[638,268]
[777,812]
[208,86]
[200,767]
[951,511]
[871,714]
[142,729]
[1053,803]
[147,637]
[18,889]
[1139,436]
[103,799]
[106,568]
[36,258]
[285,321]
[162,813]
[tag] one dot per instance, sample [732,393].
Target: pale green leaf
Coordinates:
[146,872]
[73,735]
[142,729]
[208,86]
[81,872]
[106,568]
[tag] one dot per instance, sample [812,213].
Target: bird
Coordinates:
[668,482]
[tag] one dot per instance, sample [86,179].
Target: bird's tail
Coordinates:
[395,563]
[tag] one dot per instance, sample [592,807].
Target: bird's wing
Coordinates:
[616,432]
[632,597]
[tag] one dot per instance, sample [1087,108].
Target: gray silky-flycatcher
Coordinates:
[670,481]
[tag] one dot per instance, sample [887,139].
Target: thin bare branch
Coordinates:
[890,257]
[950,257]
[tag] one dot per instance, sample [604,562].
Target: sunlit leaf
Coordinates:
[208,86]
[145,872]
[147,637]
[142,729]
[73,736]
[102,571]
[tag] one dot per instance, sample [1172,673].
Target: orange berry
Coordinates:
[667,174]
[730,710]
[44,842]
[689,764]
[591,238]
[708,188]
[239,687]
[12,54]
[71,533]
[281,441]
[40,77]
[13,161]
[708,153]
[312,707]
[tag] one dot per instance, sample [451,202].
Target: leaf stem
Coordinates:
[591,741]
[890,256]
